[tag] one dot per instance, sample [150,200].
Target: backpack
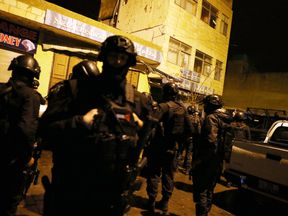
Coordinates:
[4,118]
[59,98]
[176,122]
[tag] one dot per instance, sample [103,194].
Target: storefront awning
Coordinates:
[167,76]
[88,53]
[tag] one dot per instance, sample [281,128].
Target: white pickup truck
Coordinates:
[262,167]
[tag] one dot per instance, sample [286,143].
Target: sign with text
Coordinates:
[190,75]
[77,27]
[195,87]
[74,26]
[18,37]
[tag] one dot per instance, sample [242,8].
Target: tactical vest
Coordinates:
[175,123]
[4,118]
[196,122]
[114,134]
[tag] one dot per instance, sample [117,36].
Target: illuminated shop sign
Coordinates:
[18,37]
[92,32]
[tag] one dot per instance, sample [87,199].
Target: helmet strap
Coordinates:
[23,77]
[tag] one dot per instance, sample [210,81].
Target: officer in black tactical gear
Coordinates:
[208,153]
[195,121]
[96,151]
[161,154]
[19,109]
[240,129]
[187,145]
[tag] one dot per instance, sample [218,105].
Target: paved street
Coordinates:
[181,202]
[227,201]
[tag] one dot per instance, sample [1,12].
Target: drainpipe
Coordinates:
[114,19]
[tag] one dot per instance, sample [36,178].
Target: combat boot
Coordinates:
[163,205]
[151,205]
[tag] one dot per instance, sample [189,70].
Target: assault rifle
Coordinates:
[32,173]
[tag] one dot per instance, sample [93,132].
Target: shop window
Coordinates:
[224,25]
[203,63]
[209,14]
[189,5]
[218,70]
[179,53]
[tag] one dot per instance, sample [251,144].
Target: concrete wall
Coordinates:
[244,88]
[142,14]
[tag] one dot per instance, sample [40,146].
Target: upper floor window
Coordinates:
[218,70]
[209,14]
[179,53]
[224,25]
[189,5]
[203,63]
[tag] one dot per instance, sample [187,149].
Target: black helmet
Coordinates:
[213,100]
[239,116]
[85,69]
[27,62]
[170,90]
[118,43]
[191,109]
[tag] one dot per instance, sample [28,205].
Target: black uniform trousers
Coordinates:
[12,186]
[162,166]
[205,176]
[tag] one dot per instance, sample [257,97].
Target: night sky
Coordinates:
[260,30]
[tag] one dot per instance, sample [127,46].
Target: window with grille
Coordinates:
[224,25]
[218,70]
[179,53]
[209,14]
[203,63]
[189,5]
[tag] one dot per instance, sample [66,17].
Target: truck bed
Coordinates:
[259,167]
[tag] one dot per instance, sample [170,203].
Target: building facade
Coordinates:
[194,36]
[59,38]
